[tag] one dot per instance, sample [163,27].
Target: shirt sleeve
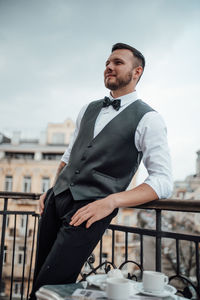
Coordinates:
[151,139]
[66,155]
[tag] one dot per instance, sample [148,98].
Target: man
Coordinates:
[110,138]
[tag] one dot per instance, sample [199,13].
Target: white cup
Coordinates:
[118,288]
[154,281]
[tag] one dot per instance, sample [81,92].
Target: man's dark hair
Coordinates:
[135,52]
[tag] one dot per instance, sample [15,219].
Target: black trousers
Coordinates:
[63,249]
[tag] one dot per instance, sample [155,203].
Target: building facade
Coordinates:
[189,189]
[29,166]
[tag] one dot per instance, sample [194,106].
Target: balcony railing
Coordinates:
[20,281]
[188,287]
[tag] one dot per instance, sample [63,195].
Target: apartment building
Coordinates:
[29,166]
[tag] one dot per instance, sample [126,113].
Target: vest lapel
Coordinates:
[92,116]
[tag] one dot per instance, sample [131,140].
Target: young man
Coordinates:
[111,137]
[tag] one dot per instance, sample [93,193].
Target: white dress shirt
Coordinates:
[150,138]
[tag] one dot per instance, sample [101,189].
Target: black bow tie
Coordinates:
[116,104]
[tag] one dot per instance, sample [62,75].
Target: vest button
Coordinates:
[77,172]
[89,146]
[71,184]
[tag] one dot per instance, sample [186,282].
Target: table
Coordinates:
[59,292]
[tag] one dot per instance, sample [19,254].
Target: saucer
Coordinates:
[97,280]
[169,290]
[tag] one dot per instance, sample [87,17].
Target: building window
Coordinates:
[27,184]
[8,183]
[45,184]
[17,289]
[104,256]
[19,155]
[51,156]
[23,221]
[11,232]
[22,225]
[20,255]
[58,138]
[2,288]
[5,255]
[7,221]
[20,258]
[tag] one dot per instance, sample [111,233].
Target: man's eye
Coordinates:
[118,62]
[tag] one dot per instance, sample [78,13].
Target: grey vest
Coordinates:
[105,164]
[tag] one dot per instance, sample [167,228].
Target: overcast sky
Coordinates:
[53,53]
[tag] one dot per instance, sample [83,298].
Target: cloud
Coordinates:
[52,56]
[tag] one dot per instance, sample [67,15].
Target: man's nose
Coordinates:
[109,67]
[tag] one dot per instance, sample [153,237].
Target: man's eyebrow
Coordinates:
[118,58]
[115,59]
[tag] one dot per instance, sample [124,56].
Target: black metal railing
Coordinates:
[190,289]
[24,277]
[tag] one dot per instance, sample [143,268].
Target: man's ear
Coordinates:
[137,72]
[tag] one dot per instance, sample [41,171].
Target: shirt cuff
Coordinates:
[162,186]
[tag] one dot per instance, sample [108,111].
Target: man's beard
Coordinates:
[119,83]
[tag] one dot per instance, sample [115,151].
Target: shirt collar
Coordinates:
[125,99]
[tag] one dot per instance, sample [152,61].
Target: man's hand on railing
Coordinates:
[41,203]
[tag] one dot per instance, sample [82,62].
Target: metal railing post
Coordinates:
[158,240]
[3,239]
[113,246]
